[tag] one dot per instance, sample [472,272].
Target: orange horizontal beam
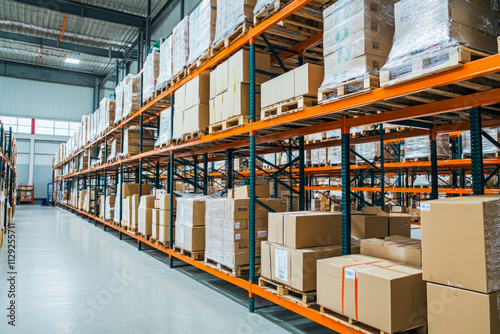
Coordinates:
[457,191]
[309,43]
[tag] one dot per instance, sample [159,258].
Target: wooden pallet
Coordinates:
[306,299]
[189,137]
[178,77]
[198,255]
[349,88]
[288,106]
[268,10]
[237,271]
[428,62]
[199,62]
[163,244]
[232,122]
[229,39]
[358,326]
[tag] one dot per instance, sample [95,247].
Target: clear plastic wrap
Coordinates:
[131,140]
[119,102]
[488,147]
[261,4]
[432,29]
[131,95]
[114,149]
[165,63]
[369,151]
[164,133]
[150,74]
[201,35]
[107,107]
[190,214]
[332,134]
[180,45]
[357,39]
[334,155]
[316,136]
[419,147]
[230,14]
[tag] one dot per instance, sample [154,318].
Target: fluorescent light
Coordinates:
[72,60]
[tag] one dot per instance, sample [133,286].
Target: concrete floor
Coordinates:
[72,277]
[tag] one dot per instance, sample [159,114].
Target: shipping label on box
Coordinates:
[281,263]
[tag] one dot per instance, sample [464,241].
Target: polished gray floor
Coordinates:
[72,277]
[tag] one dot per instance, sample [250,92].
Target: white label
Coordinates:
[237,236]
[350,273]
[237,225]
[425,206]
[261,234]
[281,264]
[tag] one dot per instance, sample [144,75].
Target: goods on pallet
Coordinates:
[454,310]
[449,224]
[131,140]
[201,36]
[318,156]
[145,217]
[163,218]
[366,151]
[164,133]
[369,226]
[429,36]
[119,95]
[190,223]
[244,192]
[107,108]
[125,192]
[131,95]
[380,293]
[304,229]
[115,148]
[394,248]
[230,89]
[357,39]
[399,224]
[334,155]
[109,210]
[165,64]
[488,146]
[231,14]
[180,45]
[150,74]
[294,85]
[293,267]
[420,147]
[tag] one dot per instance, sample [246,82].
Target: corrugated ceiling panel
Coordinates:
[23,146]
[44,100]
[46,147]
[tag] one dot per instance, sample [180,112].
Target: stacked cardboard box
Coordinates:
[145,216]
[191,110]
[107,108]
[230,88]
[428,33]
[420,147]
[129,203]
[358,38]
[190,224]
[394,248]
[161,218]
[200,35]
[303,81]
[131,140]
[119,92]
[180,45]
[164,133]
[461,262]
[230,15]
[131,95]
[488,147]
[150,74]
[165,63]
[296,241]
[384,294]
[114,148]
[375,223]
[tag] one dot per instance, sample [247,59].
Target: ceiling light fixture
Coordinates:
[72,60]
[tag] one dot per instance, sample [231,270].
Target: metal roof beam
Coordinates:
[89,11]
[90,50]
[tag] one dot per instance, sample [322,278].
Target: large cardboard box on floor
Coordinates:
[453,310]
[460,244]
[380,293]
[244,192]
[399,249]
[369,226]
[155,223]
[191,239]
[164,202]
[399,224]
[304,229]
[145,218]
[295,268]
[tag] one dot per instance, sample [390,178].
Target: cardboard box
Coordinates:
[164,202]
[460,245]
[308,78]
[404,250]
[147,201]
[145,220]
[180,100]
[198,90]
[155,223]
[369,226]
[134,204]
[132,189]
[400,224]
[239,67]
[193,212]
[371,210]
[244,192]
[191,239]
[295,268]
[164,217]
[196,119]
[380,293]
[164,233]
[453,310]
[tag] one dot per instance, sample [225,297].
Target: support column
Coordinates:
[301,174]
[205,174]
[434,169]
[476,145]
[195,172]
[382,169]
[32,160]
[346,188]
[171,182]
[229,162]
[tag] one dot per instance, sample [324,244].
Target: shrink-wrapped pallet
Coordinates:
[164,135]
[107,107]
[368,151]
[150,74]
[190,223]
[230,15]
[119,101]
[114,148]
[201,29]
[420,147]
[131,140]
[165,63]
[488,146]
[428,35]
[357,39]
[131,95]
[180,45]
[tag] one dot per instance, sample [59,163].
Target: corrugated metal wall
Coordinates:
[23,151]
[44,100]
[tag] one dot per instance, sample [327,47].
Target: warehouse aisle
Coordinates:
[74,278]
